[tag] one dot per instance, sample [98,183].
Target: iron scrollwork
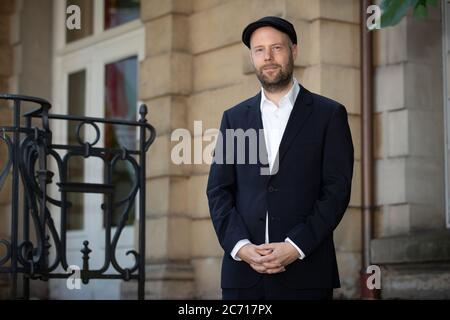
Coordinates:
[28,150]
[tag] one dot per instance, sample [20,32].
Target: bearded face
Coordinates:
[276,77]
[273,57]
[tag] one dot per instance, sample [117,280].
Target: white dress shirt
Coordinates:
[274,120]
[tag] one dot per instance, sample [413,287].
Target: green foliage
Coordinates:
[394,10]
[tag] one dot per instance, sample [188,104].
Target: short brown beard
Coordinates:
[281,81]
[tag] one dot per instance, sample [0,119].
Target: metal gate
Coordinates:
[33,232]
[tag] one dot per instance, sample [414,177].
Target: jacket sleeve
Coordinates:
[228,223]
[337,172]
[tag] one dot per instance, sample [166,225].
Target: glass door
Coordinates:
[96,74]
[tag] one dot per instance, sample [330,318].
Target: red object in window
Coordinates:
[118,12]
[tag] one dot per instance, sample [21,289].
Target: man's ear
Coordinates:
[294,51]
[251,58]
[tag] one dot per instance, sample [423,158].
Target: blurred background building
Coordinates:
[185,60]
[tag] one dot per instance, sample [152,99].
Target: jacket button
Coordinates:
[271,189]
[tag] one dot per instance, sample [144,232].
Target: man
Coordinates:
[277,229]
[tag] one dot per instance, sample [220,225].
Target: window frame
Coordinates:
[99,33]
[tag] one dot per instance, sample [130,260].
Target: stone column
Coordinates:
[25,67]
[165,83]
[410,160]
[409,111]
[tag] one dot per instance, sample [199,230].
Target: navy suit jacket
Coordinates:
[305,199]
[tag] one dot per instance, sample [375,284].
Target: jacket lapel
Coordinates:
[299,114]
[255,122]
[253,113]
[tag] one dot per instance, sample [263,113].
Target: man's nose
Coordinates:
[268,55]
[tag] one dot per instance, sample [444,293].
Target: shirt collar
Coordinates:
[291,95]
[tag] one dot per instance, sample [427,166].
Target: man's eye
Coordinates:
[277,48]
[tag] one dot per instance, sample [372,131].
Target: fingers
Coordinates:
[263,269]
[264,252]
[267,246]
[258,268]
[272,265]
[249,254]
[262,259]
[257,259]
[270,258]
[275,270]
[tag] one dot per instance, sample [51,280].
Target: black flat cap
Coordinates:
[269,21]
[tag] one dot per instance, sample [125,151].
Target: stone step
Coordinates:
[416,281]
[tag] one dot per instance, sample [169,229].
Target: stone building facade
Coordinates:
[194,67]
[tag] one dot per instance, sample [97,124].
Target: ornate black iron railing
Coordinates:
[29,147]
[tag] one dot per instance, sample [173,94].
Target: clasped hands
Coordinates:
[268,258]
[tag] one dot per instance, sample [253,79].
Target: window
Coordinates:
[76,106]
[120,102]
[87,21]
[97,16]
[118,12]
